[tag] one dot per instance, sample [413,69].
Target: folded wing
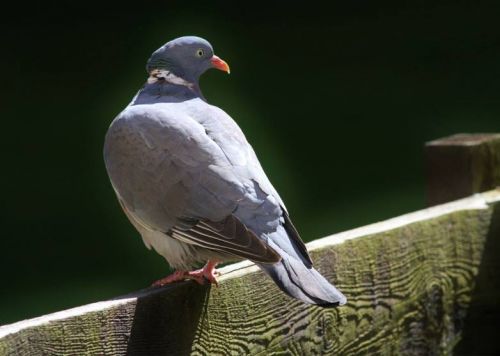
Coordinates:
[229,236]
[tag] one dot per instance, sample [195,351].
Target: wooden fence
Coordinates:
[424,283]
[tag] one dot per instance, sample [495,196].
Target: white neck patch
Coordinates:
[157,75]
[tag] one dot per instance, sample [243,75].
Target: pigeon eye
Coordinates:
[200,52]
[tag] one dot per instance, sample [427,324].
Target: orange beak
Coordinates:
[220,64]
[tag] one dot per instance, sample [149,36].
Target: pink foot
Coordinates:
[201,276]
[177,276]
[207,273]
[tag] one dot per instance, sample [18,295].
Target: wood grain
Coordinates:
[408,281]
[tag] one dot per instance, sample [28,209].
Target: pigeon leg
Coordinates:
[201,276]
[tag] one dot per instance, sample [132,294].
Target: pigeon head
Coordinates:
[183,60]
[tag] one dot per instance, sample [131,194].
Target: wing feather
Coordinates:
[229,235]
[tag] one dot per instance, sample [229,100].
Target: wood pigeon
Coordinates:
[191,184]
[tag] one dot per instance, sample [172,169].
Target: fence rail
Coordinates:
[410,282]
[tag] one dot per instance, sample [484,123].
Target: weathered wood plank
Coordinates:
[408,281]
[461,165]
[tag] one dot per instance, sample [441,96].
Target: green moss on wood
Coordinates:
[408,292]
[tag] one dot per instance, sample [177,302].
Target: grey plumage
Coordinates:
[191,184]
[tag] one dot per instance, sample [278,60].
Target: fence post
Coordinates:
[461,165]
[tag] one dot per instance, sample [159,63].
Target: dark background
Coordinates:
[336,101]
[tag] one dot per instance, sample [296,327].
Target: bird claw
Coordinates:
[200,276]
[177,276]
[204,275]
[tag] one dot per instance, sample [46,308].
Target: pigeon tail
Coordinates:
[303,283]
[296,276]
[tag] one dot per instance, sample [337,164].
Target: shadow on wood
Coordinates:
[167,324]
[483,317]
